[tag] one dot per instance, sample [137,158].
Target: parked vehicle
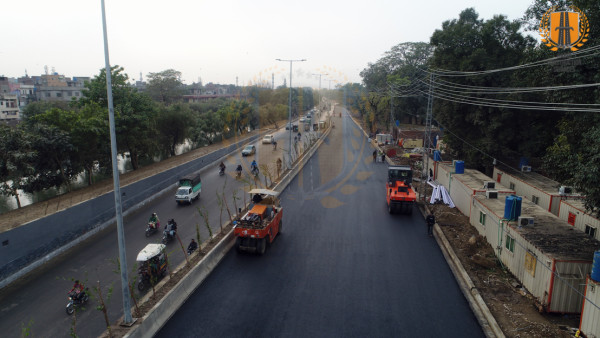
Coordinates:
[292,126]
[189,189]
[76,299]
[259,226]
[248,150]
[268,139]
[152,264]
[400,195]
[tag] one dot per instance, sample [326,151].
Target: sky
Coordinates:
[220,41]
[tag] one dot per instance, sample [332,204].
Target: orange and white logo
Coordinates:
[564,29]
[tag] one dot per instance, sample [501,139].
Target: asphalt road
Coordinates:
[343,266]
[40,298]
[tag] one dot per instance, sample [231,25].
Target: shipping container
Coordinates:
[537,188]
[573,212]
[589,324]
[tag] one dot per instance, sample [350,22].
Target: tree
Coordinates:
[174,126]
[470,44]
[56,163]
[135,114]
[16,161]
[166,86]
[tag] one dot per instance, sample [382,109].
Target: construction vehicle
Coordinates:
[400,194]
[259,226]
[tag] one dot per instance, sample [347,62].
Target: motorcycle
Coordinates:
[152,228]
[75,300]
[221,171]
[167,237]
[255,171]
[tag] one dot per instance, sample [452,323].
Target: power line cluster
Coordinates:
[444,89]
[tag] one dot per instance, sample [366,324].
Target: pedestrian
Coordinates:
[430,219]
[374,155]
[430,175]
[382,157]
[279,164]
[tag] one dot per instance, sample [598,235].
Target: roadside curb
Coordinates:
[162,311]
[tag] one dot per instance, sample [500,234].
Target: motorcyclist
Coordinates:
[154,221]
[171,227]
[222,167]
[78,289]
[254,166]
[192,247]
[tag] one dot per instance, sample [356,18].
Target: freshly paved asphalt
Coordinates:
[42,296]
[343,266]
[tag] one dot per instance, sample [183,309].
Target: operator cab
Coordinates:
[400,173]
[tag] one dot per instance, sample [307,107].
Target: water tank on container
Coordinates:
[596,266]
[512,208]
[437,156]
[459,167]
[523,161]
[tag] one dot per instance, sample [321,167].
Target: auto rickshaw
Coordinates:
[152,263]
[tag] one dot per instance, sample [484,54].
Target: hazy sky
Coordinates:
[220,39]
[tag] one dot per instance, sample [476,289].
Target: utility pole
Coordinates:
[320,79]
[127,319]
[427,134]
[289,163]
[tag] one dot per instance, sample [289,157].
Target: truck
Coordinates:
[259,226]
[400,194]
[189,188]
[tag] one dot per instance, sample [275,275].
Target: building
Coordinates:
[537,188]
[9,107]
[573,212]
[57,87]
[549,257]
[589,323]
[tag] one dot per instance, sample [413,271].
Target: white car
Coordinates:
[302,119]
[268,139]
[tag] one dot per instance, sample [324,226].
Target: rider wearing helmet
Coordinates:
[222,166]
[254,165]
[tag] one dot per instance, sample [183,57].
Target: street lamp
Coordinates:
[290,108]
[320,78]
[127,319]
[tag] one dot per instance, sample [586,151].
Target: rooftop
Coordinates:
[549,234]
[539,181]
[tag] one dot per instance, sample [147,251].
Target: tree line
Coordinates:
[58,141]
[544,125]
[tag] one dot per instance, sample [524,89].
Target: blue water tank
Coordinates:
[512,207]
[460,167]
[596,266]
[523,161]
[437,156]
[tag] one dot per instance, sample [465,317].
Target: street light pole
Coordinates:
[289,164]
[127,319]
[320,79]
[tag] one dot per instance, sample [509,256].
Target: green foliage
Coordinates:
[17,158]
[26,328]
[174,125]
[471,44]
[59,163]
[166,86]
